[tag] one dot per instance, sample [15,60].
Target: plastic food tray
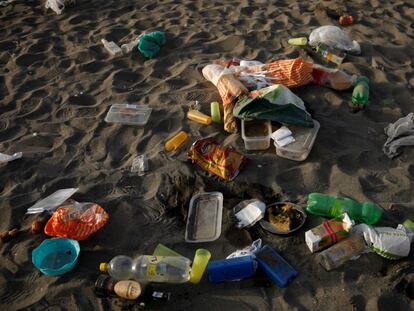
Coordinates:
[128,114]
[259,142]
[204,217]
[304,140]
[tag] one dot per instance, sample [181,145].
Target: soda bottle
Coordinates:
[341,252]
[330,54]
[330,206]
[360,95]
[149,268]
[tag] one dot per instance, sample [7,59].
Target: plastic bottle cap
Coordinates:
[103,266]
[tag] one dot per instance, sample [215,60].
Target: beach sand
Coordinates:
[57,83]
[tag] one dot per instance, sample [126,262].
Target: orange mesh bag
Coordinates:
[290,72]
[76,221]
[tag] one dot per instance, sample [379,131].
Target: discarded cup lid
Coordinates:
[296,218]
[56,256]
[52,201]
[249,212]
[204,217]
[128,114]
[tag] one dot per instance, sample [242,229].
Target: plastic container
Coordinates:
[256,134]
[330,206]
[204,217]
[200,261]
[56,256]
[360,94]
[275,267]
[149,268]
[233,269]
[199,117]
[298,219]
[215,112]
[341,252]
[176,141]
[304,140]
[128,114]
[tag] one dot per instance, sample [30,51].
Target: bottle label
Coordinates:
[128,289]
[152,266]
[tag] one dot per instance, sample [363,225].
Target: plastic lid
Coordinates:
[103,266]
[409,224]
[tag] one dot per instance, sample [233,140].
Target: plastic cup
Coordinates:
[162,250]
[200,261]
[215,112]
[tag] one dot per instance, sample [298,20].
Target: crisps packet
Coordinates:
[224,162]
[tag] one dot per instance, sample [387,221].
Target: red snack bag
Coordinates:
[224,162]
[76,221]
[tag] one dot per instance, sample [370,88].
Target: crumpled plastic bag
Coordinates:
[249,250]
[400,133]
[224,162]
[4,158]
[249,212]
[276,103]
[76,221]
[387,242]
[335,37]
[58,5]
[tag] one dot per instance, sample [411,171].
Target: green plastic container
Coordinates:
[360,94]
[330,206]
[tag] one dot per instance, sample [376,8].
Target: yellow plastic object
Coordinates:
[199,117]
[298,41]
[215,112]
[200,261]
[162,250]
[177,141]
[103,266]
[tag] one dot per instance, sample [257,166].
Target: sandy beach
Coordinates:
[57,83]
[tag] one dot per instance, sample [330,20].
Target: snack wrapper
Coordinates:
[76,221]
[329,232]
[224,162]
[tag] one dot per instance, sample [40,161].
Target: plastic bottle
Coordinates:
[200,261]
[302,41]
[330,206]
[330,54]
[341,252]
[149,268]
[199,117]
[175,142]
[360,95]
[215,112]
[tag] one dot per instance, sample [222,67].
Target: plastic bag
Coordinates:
[76,221]
[52,201]
[249,250]
[58,5]
[335,37]
[4,158]
[249,212]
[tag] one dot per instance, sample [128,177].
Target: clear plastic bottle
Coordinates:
[330,206]
[330,54]
[147,268]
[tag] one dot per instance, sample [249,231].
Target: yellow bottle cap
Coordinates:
[103,266]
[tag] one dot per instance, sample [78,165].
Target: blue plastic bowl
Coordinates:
[56,256]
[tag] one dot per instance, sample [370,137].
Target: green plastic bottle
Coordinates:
[360,94]
[330,206]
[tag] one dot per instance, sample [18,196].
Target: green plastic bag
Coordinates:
[151,43]
[276,103]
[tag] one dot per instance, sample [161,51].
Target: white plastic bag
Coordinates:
[4,158]
[58,5]
[51,202]
[335,37]
[249,250]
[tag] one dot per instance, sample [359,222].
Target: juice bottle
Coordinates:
[149,268]
[199,117]
[175,142]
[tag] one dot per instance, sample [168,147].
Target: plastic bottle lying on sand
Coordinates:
[360,94]
[341,252]
[176,142]
[149,269]
[330,206]
[330,54]
[199,117]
